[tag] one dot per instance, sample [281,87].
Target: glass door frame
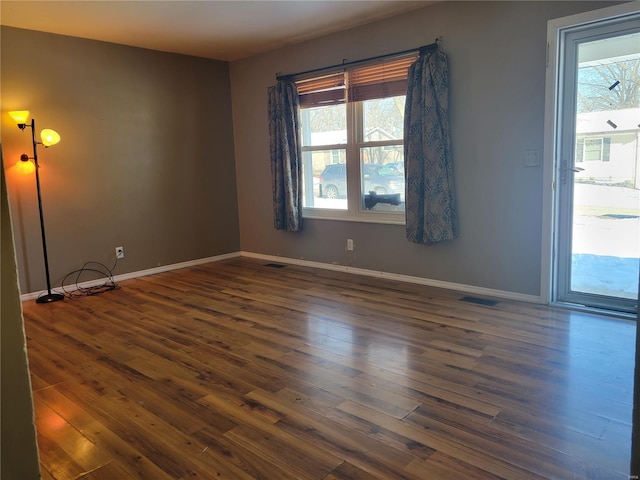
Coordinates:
[559,144]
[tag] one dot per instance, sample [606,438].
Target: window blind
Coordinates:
[380,79]
[320,91]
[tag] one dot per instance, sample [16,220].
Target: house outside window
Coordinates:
[608,155]
[352,129]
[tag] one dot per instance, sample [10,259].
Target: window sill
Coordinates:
[362,217]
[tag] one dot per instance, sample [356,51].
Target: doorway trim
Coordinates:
[555,31]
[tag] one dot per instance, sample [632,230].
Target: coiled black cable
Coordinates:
[80,291]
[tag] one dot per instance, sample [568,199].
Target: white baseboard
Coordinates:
[140,273]
[306,263]
[401,278]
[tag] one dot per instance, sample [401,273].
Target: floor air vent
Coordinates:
[275,265]
[480,301]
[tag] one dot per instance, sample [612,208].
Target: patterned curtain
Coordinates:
[430,202]
[286,156]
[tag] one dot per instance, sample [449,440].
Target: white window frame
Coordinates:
[355,211]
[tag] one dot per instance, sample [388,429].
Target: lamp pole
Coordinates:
[50,296]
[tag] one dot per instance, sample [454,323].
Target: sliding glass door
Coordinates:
[598,167]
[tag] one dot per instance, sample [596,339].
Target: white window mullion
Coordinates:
[353,160]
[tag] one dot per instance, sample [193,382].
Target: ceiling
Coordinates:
[223,30]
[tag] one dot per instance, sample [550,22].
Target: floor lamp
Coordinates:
[49,137]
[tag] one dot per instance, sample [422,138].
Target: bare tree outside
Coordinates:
[383,121]
[612,86]
[327,119]
[384,115]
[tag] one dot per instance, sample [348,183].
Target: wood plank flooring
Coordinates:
[239,370]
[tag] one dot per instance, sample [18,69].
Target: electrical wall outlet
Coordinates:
[119,252]
[349,245]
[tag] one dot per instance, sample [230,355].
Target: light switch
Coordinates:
[531,158]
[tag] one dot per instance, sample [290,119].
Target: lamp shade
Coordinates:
[49,137]
[25,167]
[20,116]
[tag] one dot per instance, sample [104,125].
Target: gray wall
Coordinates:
[146,159]
[496,54]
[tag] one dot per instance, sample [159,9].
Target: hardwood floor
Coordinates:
[239,370]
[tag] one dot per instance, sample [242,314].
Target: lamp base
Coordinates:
[50,297]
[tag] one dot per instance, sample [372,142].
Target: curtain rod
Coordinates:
[424,48]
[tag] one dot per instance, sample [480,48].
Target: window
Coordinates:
[593,149]
[352,126]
